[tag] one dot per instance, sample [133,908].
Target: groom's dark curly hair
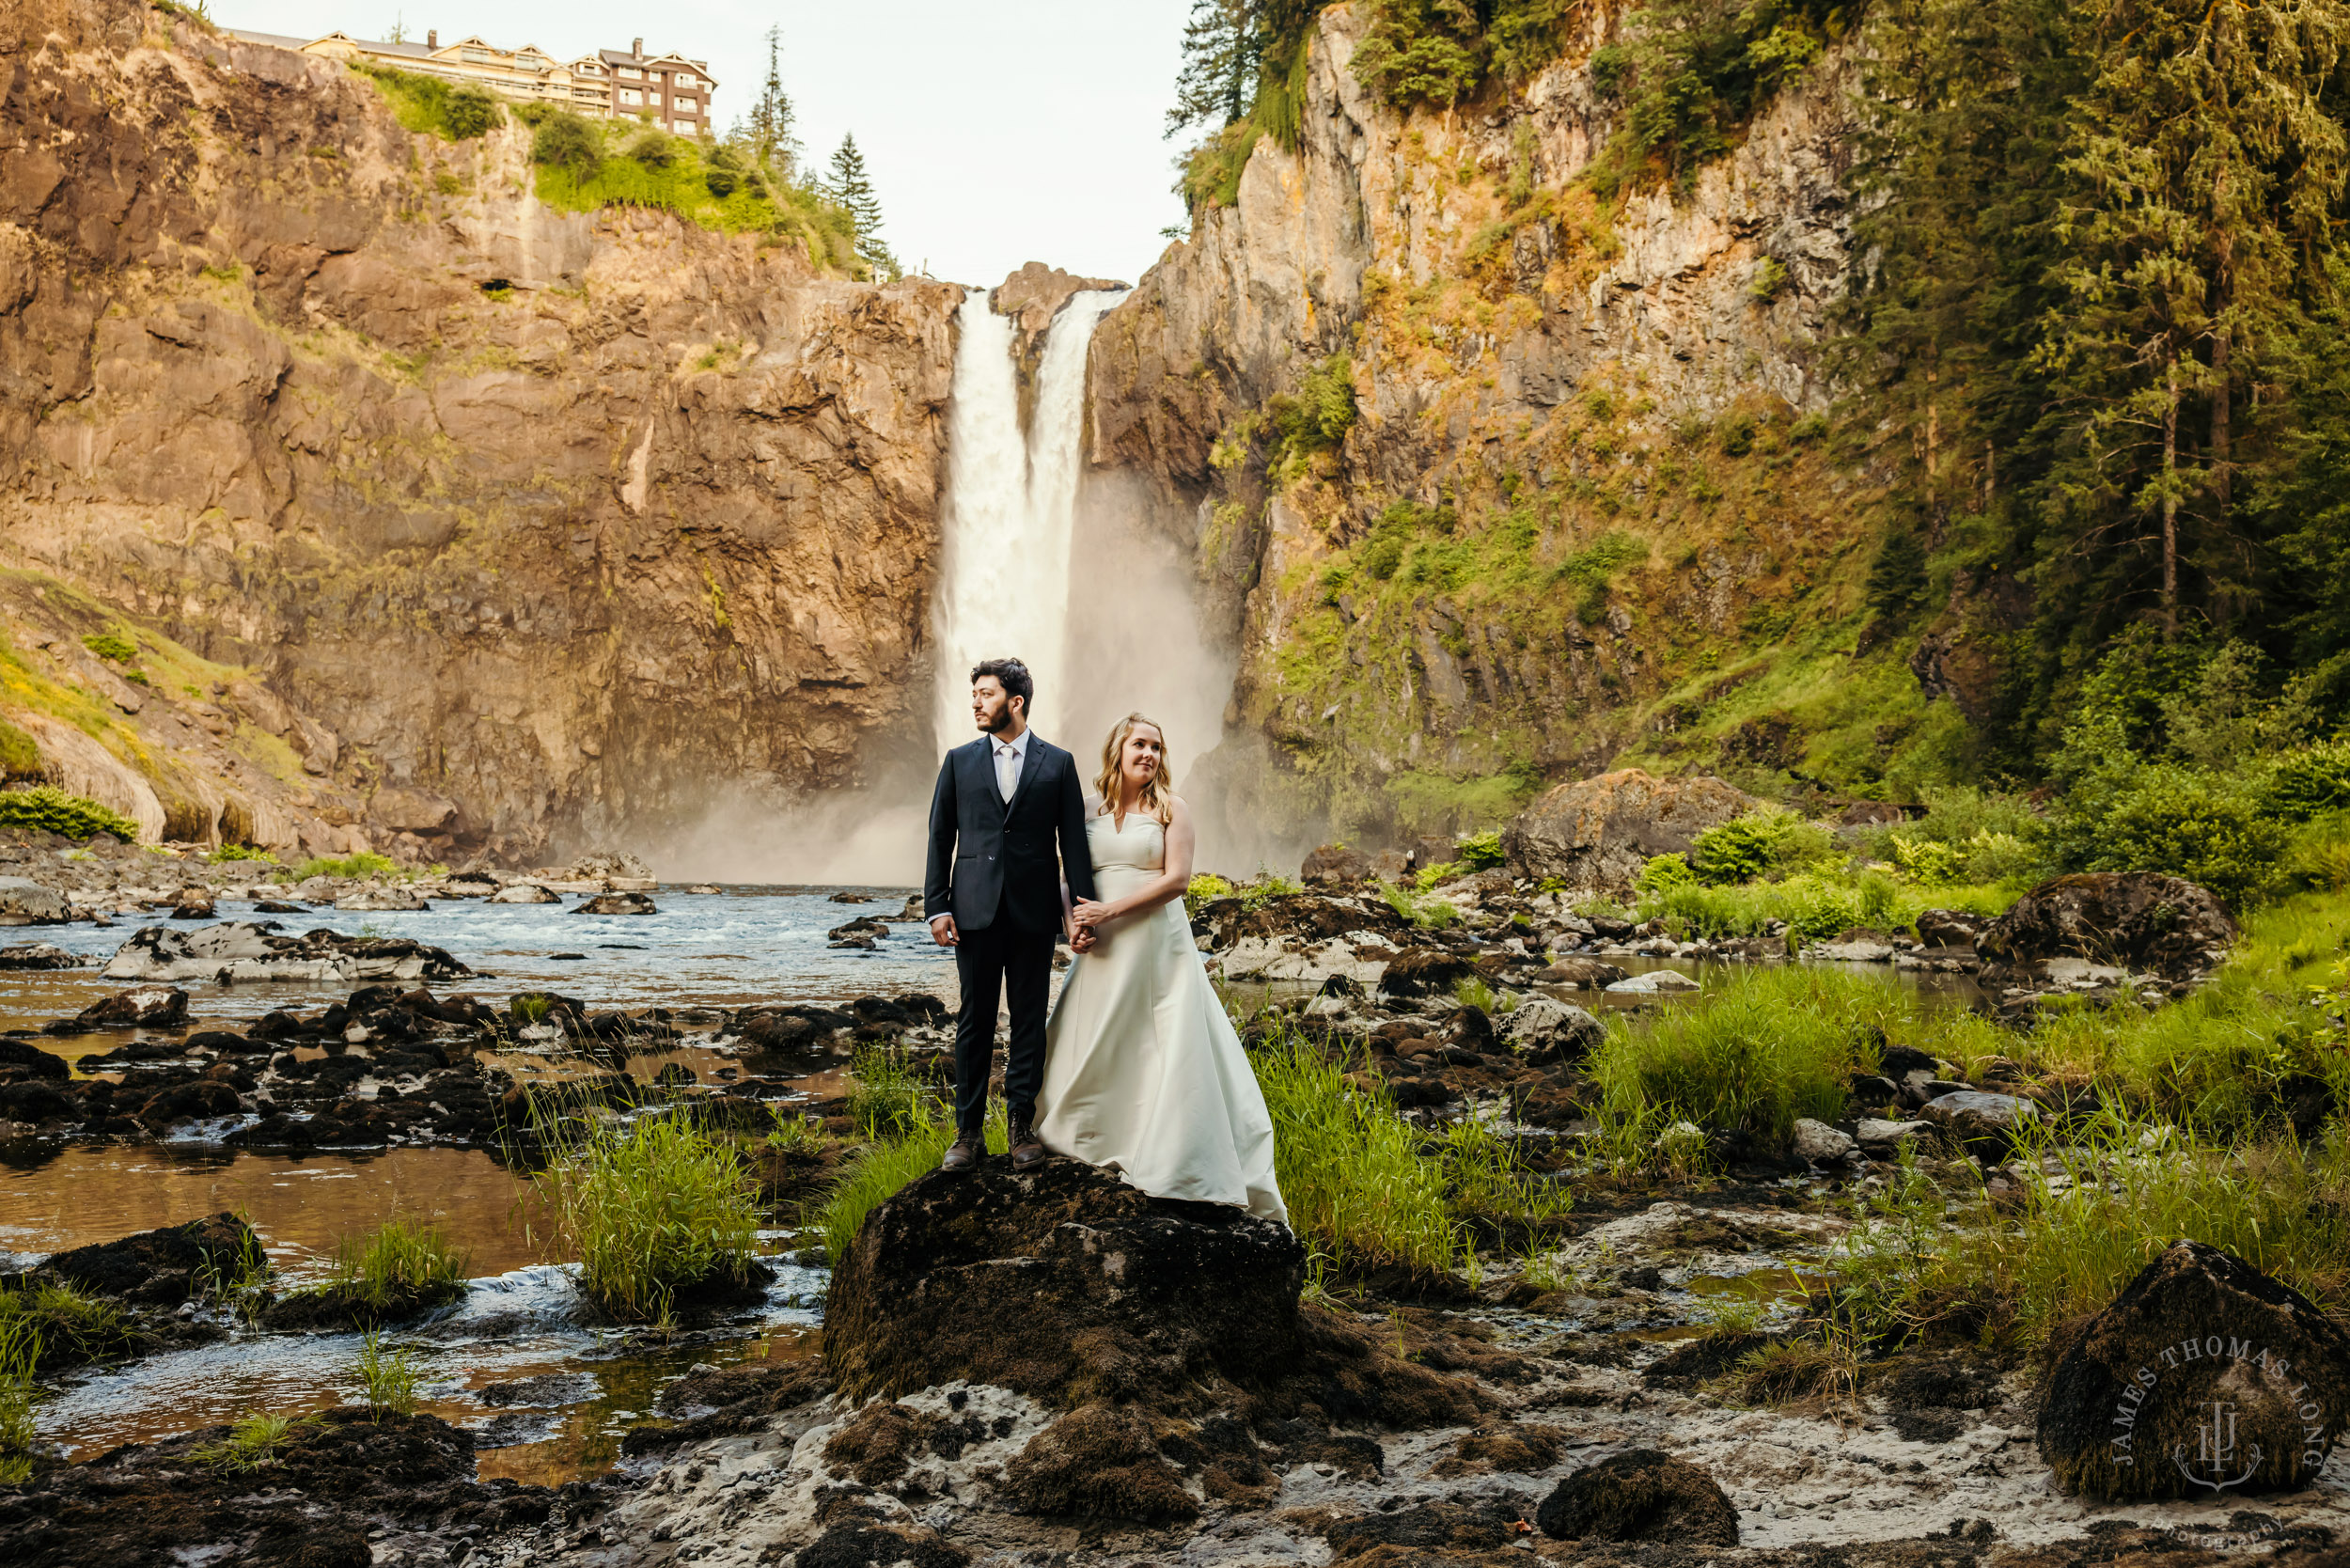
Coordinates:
[1013,676]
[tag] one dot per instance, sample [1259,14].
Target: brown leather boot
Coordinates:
[963,1153]
[1026,1153]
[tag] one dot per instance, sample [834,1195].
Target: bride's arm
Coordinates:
[1169,885]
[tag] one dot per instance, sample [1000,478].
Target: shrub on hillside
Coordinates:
[1759,844]
[2188,823]
[2312,780]
[51,810]
[469,112]
[565,141]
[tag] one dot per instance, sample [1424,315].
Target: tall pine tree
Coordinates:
[767,131]
[852,189]
[2204,167]
[1221,43]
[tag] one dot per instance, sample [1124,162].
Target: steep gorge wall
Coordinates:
[446,522]
[1580,426]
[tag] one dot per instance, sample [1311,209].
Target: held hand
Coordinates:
[942,931]
[1083,938]
[1091,913]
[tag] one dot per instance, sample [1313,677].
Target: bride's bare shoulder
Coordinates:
[1094,803]
[1176,808]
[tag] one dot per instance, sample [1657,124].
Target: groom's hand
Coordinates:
[1082,940]
[943,931]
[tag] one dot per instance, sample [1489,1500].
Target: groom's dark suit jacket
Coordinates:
[994,860]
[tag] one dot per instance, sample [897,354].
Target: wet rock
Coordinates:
[383,899]
[2138,920]
[524,892]
[144,1007]
[38,955]
[1978,1118]
[277,906]
[1820,1144]
[1114,1294]
[1546,1029]
[711,1402]
[161,1267]
[1584,974]
[1643,1494]
[336,1480]
[607,865]
[1949,928]
[249,951]
[26,902]
[2204,1377]
[858,1535]
[1597,834]
[22,1060]
[1118,1297]
[1851,948]
[1335,863]
[864,925]
[1424,972]
[1656,982]
[616,904]
[1504,1447]
[1463,1523]
[1879,1136]
[193,905]
[1098,1463]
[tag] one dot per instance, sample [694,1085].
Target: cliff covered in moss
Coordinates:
[424,515]
[1494,478]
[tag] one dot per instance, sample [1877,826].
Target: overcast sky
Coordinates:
[995,135]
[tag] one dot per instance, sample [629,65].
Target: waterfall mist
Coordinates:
[1041,561]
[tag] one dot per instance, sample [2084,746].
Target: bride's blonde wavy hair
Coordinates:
[1162,781]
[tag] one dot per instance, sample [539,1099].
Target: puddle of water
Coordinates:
[59,1196]
[1766,1285]
[523,1323]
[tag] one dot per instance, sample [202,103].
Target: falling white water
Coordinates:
[1012,507]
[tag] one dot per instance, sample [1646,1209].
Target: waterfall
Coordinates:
[1010,512]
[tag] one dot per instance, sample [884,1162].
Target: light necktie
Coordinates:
[1007,771]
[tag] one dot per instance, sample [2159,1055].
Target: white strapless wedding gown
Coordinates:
[1143,1073]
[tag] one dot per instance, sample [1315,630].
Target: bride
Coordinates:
[1143,1074]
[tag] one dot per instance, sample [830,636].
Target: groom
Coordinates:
[1004,803]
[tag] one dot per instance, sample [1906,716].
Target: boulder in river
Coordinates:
[1984,1120]
[1424,972]
[20,1059]
[249,951]
[1640,1495]
[1598,834]
[26,902]
[142,1007]
[2205,1378]
[2140,922]
[1581,972]
[1656,982]
[383,899]
[1546,1029]
[616,904]
[1817,1143]
[161,1267]
[524,892]
[38,955]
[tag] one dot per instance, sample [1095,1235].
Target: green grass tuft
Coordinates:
[254,1443]
[399,1264]
[20,1355]
[364,864]
[69,1327]
[875,1173]
[389,1379]
[648,1208]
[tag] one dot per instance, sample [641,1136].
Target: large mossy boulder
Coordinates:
[2204,1378]
[2139,921]
[1063,1283]
[1597,834]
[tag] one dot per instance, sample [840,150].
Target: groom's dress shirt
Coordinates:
[1008,756]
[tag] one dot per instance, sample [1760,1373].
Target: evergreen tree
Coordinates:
[2204,166]
[1221,42]
[767,133]
[851,190]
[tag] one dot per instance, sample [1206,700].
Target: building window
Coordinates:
[652,98]
[480,55]
[629,71]
[629,95]
[685,79]
[684,106]
[682,127]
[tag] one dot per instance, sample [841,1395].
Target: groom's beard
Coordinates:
[997,725]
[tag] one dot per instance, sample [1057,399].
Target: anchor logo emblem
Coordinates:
[2216,1451]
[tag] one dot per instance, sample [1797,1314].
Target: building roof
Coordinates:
[621,56]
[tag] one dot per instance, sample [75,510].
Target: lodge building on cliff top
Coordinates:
[669,89]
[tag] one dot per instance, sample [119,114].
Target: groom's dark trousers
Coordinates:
[998,866]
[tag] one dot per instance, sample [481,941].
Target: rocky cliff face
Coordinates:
[1578,480]
[433,519]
